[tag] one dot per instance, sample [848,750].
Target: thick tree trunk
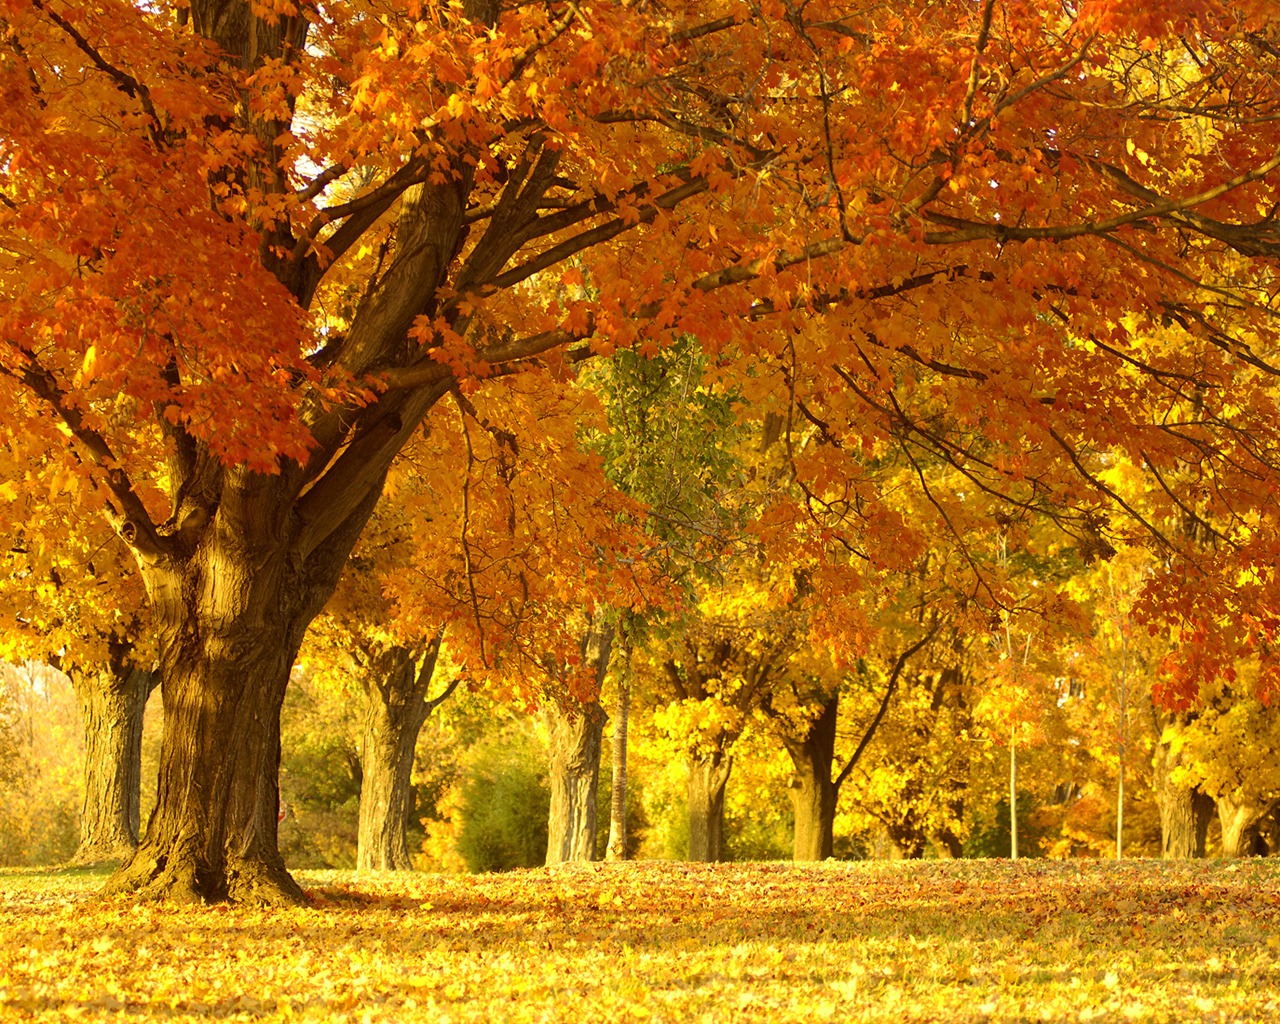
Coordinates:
[617,845]
[395,683]
[212,835]
[112,701]
[230,617]
[1239,820]
[813,791]
[1185,810]
[1185,815]
[576,734]
[707,779]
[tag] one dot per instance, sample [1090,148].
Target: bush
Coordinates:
[505,802]
[320,774]
[993,838]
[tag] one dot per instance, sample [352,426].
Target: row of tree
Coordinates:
[930,779]
[737,647]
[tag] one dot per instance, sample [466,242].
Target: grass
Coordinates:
[928,941]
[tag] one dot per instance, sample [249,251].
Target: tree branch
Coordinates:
[124,81]
[131,522]
[889,691]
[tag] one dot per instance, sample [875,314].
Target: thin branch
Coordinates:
[1192,516]
[889,691]
[1110,492]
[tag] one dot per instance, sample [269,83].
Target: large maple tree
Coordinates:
[246,247]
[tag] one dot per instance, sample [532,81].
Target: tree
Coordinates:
[815,788]
[1227,752]
[616,846]
[361,643]
[396,683]
[716,668]
[113,697]
[247,250]
[576,731]
[70,606]
[529,584]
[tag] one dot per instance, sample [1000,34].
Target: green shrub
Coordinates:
[505,802]
[992,838]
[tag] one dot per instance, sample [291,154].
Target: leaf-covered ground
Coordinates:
[947,941]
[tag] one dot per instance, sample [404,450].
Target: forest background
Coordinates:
[925,724]
[878,405]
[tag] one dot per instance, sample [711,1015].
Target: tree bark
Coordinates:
[230,617]
[616,848]
[1185,810]
[1239,820]
[396,682]
[112,701]
[813,791]
[576,734]
[707,779]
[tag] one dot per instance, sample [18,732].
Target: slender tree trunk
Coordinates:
[813,792]
[1013,796]
[396,682]
[1122,745]
[112,701]
[617,845]
[948,833]
[576,734]
[1120,811]
[707,779]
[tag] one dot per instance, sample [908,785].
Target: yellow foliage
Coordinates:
[783,944]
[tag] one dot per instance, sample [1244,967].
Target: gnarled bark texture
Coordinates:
[813,790]
[232,619]
[708,776]
[112,697]
[576,734]
[396,681]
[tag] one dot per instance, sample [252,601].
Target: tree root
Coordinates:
[184,880]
